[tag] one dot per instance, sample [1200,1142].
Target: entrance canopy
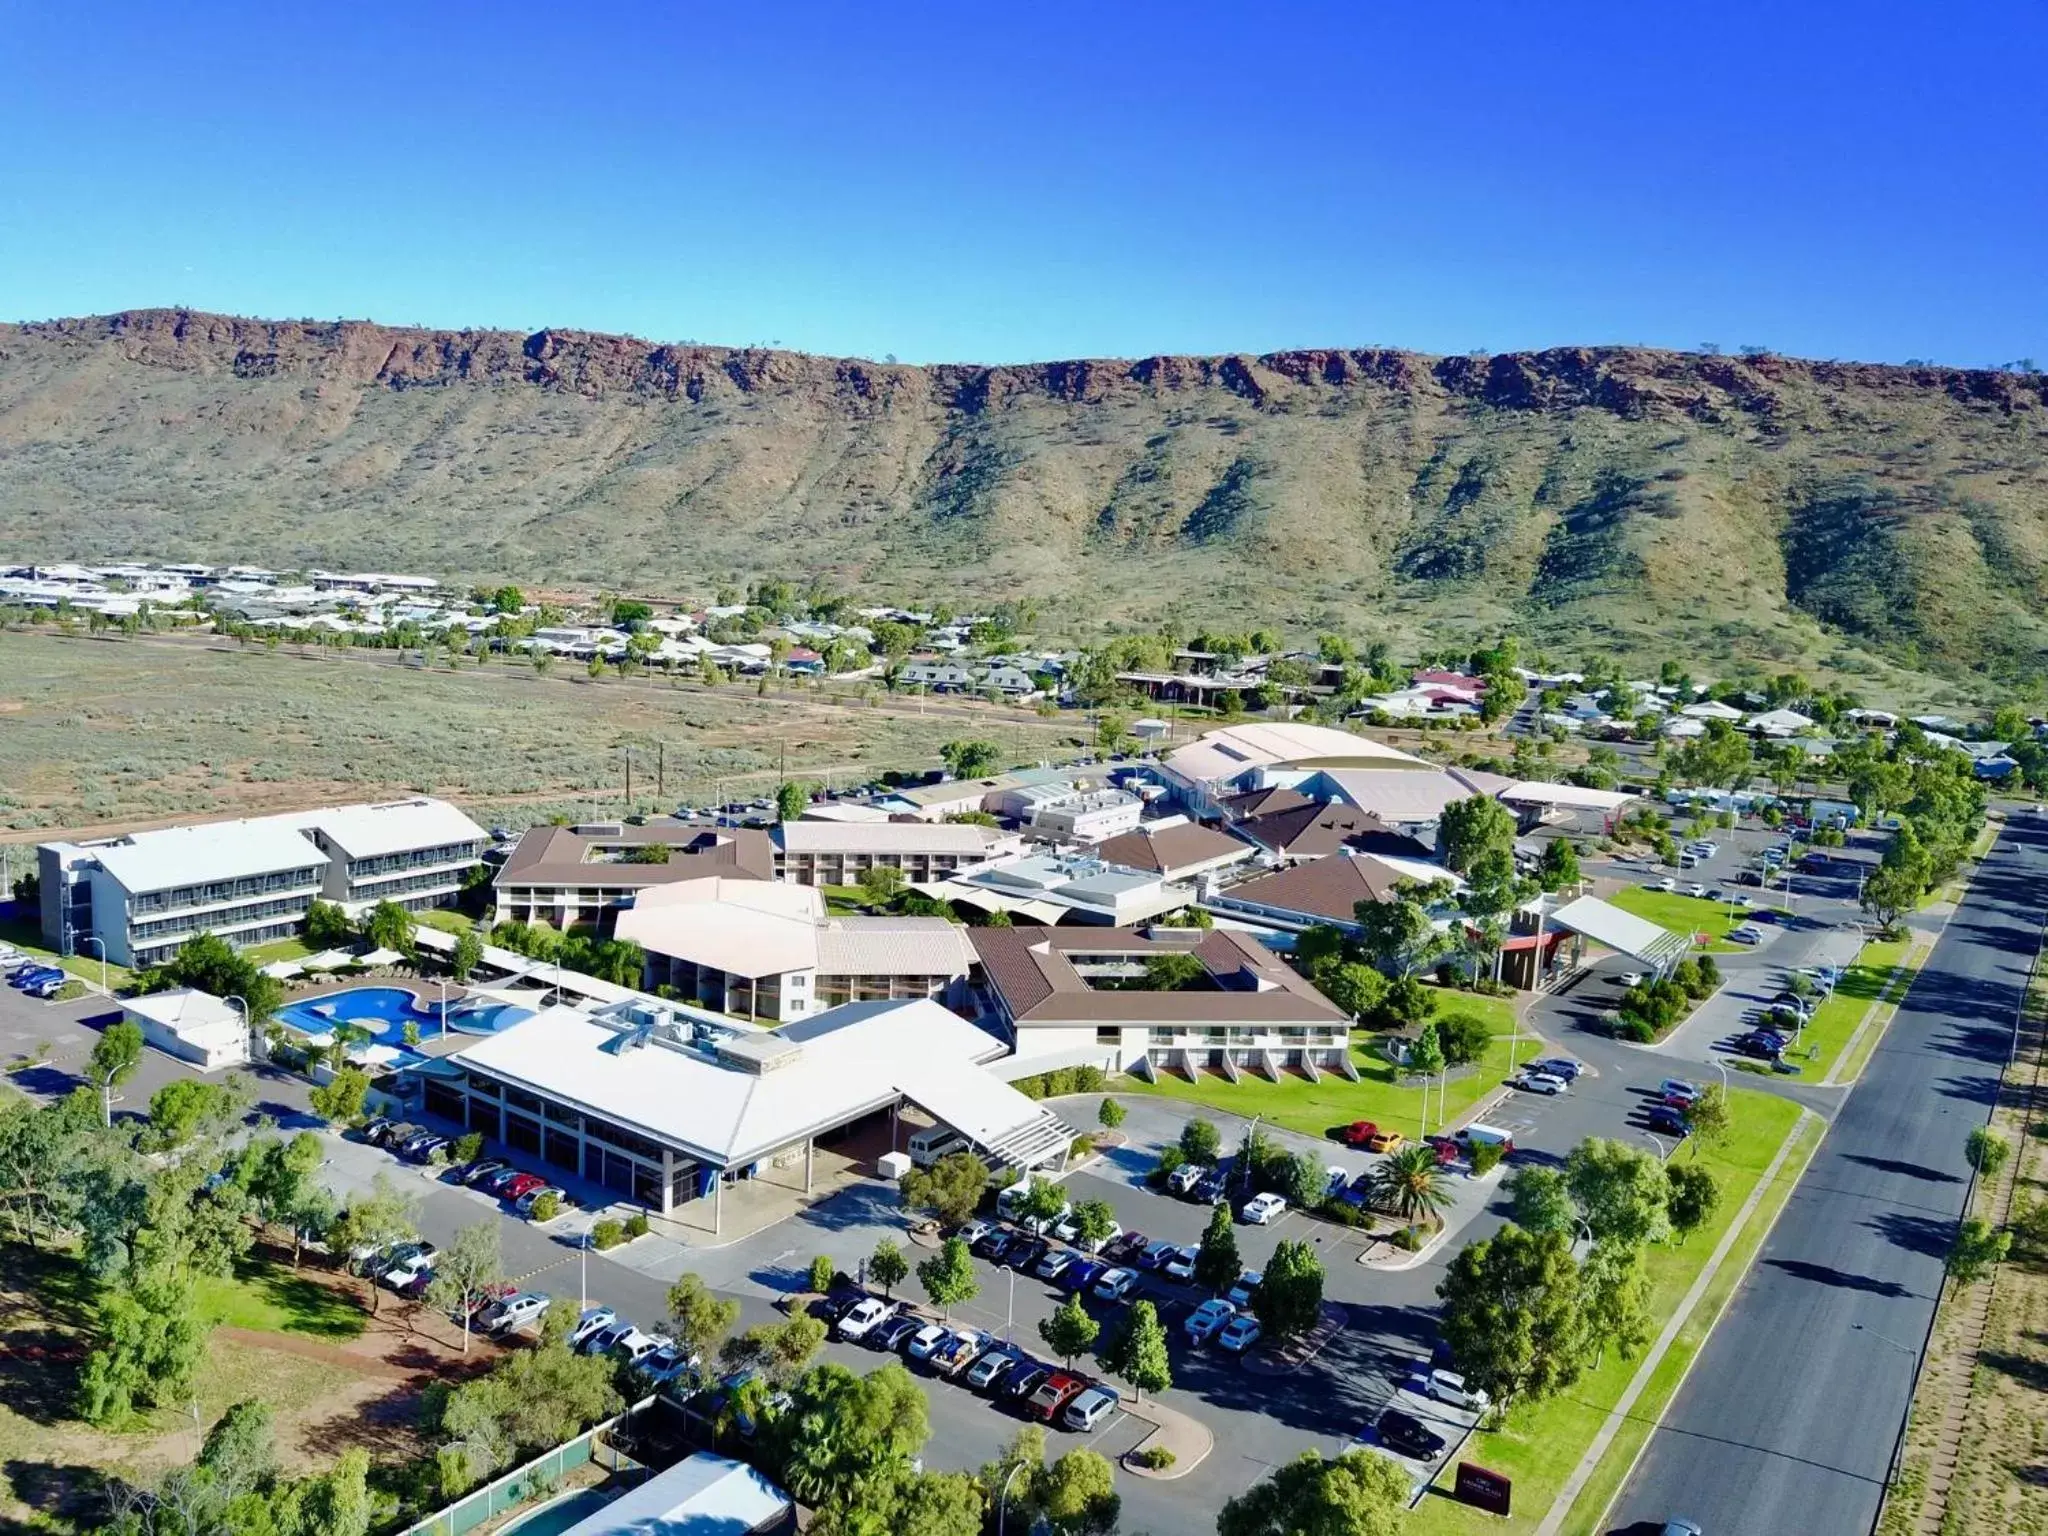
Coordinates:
[1637,937]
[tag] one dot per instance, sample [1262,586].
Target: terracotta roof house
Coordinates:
[580,874]
[1315,829]
[1262,802]
[1067,997]
[1320,890]
[1177,849]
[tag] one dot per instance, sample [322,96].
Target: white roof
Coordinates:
[702,1495]
[1711,709]
[189,1014]
[743,941]
[1624,932]
[893,946]
[217,850]
[1537,792]
[843,810]
[1402,797]
[1788,722]
[1225,753]
[847,1060]
[891,837]
[396,826]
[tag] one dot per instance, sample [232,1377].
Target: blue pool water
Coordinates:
[561,1516]
[385,1011]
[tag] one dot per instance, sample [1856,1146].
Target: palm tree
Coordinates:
[1410,1183]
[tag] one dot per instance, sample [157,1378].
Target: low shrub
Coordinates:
[1407,1239]
[636,1224]
[1486,1156]
[1345,1213]
[1156,1458]
[547,1207]
[1084,1146]
[607,1234]
[821,1273]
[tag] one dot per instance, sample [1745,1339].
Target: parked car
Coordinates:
[1024,1380]
[1385,1141]
[1335,1180]
[865,1316]
[1024,1253]
[1069,1231]
[1156,1256]
[634,1346]
[895,1334]
[1541,1082]
[520,1185]
[1183,1179]
[600,1342]
[1407,1434]
[1081,1275]
[1052,1396]
[1239,1334]
[1760,1047]
[973,1232]
[992,1245]
[986,1374]
[525,1203]
[497,1183]
[667,1364]
[1090,1408]
[1671,1121]
[1215,1183]
[1678,1089]
[477,1172]
[1263,1208]
[1115,1284]
[1211,1315]
[1182,1265]
[1450,1387]
[1748,933]
[521,1309]
[1628,979]
[589,1322]
[1123,1249]
[1667,884]
[398,1276]
[1240,1294]
[1358,1133]
[959,1352]
[927,1341]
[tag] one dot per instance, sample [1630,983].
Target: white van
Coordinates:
[1493,1134]
[934,1142]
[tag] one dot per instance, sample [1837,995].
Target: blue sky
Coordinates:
[1009,182]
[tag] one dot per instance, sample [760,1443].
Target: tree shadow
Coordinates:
[76,1494]
[1908,1170]
[1929,1235]
[1826,1274]
[2027,1371]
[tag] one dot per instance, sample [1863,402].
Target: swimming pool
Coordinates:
[385,1011]
[552,1519]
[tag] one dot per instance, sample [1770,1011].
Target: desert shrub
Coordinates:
[636,1224]
[607,1234]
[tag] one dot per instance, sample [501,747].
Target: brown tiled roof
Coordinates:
[1029,969]
[1318,828]
[1329,888]
[1168,850]
[560,855]
[1258,802]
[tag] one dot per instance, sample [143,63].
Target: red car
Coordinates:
[521,1185]
[1447,1150]
[1053,1395]
[1358,1133]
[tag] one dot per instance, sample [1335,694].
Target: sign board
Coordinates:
[1482,1489]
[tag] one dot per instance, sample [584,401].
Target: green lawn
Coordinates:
[1590,1508]
[1313,1108]
[447,919]
[269,1298]
[1542,1443]
[1682,914]
[844,900]
[28,938]
[1835,1020]
[279,949]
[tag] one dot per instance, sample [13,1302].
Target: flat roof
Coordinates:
[775,1088]
[395,826]
[899,837]
[1621,931]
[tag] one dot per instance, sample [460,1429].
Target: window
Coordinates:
[1110,1034]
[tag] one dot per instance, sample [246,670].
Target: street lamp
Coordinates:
[86,938]
[241,1005]
[1003,1499]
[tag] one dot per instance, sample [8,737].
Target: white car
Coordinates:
[1211,1315]
[1449,1387]
[974,1232]
[1182,1265]
[1261,1209]
[1336,1180]
[1630,979]
[633,1346]
[1115,1285]
[1699,891]
[1240,1333]
[1541,1082]
[1667,884]
[515,1312]
[1748,933]
[590,1322]
[1240,1294]
[927,1340]
[403,1273]
[865,1317]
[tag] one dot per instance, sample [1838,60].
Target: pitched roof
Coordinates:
[1315,828]
[1225,753]
[396,826]
[965,838]
[1033,971]
[1260,802]
[1169,850]
[561,855]
[1328,888]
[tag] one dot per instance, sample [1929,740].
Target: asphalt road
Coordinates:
[1792,1411]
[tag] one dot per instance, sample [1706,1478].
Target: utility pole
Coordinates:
[629,781]
[661,771]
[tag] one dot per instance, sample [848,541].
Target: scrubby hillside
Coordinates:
[1614,496]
